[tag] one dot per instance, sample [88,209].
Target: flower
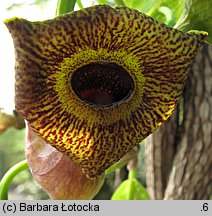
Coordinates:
[94,83]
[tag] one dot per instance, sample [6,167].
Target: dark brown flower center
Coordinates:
[102,84]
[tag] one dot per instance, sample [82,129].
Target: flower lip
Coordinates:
[102,84]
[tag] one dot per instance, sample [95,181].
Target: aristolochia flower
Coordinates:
[95,82]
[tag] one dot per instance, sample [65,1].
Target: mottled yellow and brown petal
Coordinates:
[95,82]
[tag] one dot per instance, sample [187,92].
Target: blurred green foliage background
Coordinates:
[12,152]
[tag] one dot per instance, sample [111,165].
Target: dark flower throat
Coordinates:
[102,84]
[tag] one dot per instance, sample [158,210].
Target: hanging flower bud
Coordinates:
[58,175]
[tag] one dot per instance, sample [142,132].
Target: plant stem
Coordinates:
[8,177]
[131,176]
[79,3]
[65,6]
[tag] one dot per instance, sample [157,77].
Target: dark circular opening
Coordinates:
[102,84]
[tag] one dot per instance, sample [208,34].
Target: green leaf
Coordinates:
[143,6]
[167,13]
[120,2]
[197,16]
[159,9]
[109,2]
[130,189]
[175,6]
